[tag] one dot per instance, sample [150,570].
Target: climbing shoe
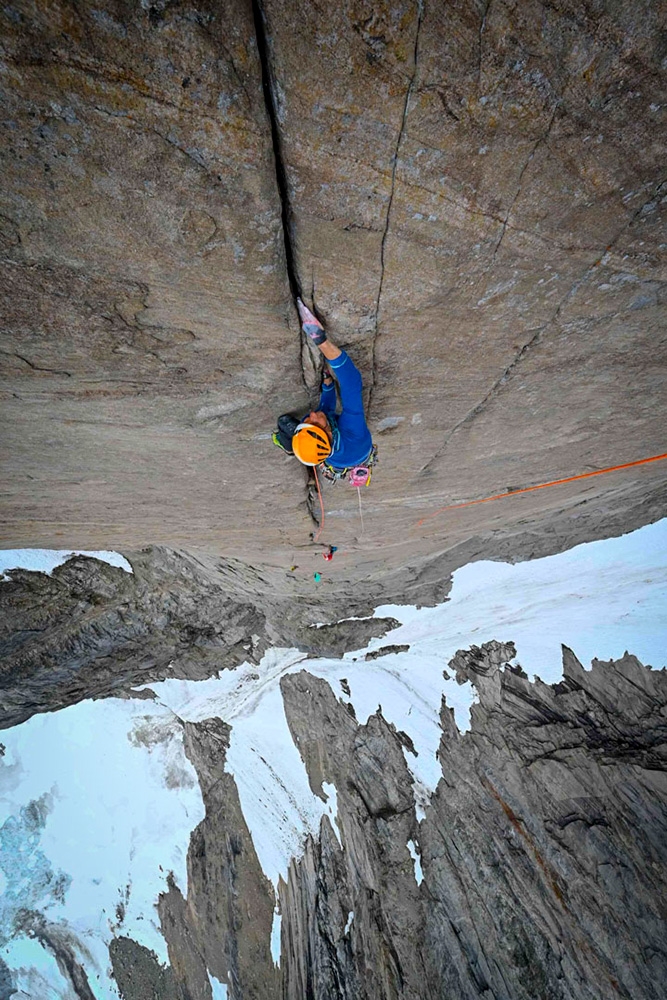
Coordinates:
[310,324]
[278,443]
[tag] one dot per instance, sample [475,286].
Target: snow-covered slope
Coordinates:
[98,800]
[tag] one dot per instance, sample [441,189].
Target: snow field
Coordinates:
[119,800]
[601,599]
[277,802]
[36,972]
[218,989]
[275,936]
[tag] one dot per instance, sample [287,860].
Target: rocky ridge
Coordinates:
[91,630]
[537,867]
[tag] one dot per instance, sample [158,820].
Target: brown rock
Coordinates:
[473,195]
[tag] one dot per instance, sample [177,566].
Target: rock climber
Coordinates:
[341,442]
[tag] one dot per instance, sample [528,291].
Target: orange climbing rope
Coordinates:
[543,486]
[319,493]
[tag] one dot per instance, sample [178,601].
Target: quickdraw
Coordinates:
[356,475]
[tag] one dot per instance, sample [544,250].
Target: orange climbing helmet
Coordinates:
[310,444]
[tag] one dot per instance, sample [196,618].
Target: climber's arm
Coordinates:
[346,372]
[329,350]
[327,395]
[349,383]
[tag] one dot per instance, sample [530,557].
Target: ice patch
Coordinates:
[275,936]
[277,802]
[601,599]
[332,807]
[35,972]
[218,989]
[339,621]
[418,865]
[46,560]
[350,918]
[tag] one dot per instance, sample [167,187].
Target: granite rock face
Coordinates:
[542,850]
[143,253]
[472,193]
[536,870]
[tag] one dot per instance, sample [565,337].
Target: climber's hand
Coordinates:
[310,324]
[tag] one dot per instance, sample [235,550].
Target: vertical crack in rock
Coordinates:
[471,414]
[539,142]
[401,131]
[269,89]
[482,25]
[657,193]
[286,213]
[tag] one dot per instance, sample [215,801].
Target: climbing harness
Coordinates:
[356,475]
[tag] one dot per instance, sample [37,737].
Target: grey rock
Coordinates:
[474,196]
[334,640]
[92,630]
[372,875]
[138,972]
[387,650]
[225,922]
[542,849]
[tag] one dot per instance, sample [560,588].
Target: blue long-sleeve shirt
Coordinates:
[353,443]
